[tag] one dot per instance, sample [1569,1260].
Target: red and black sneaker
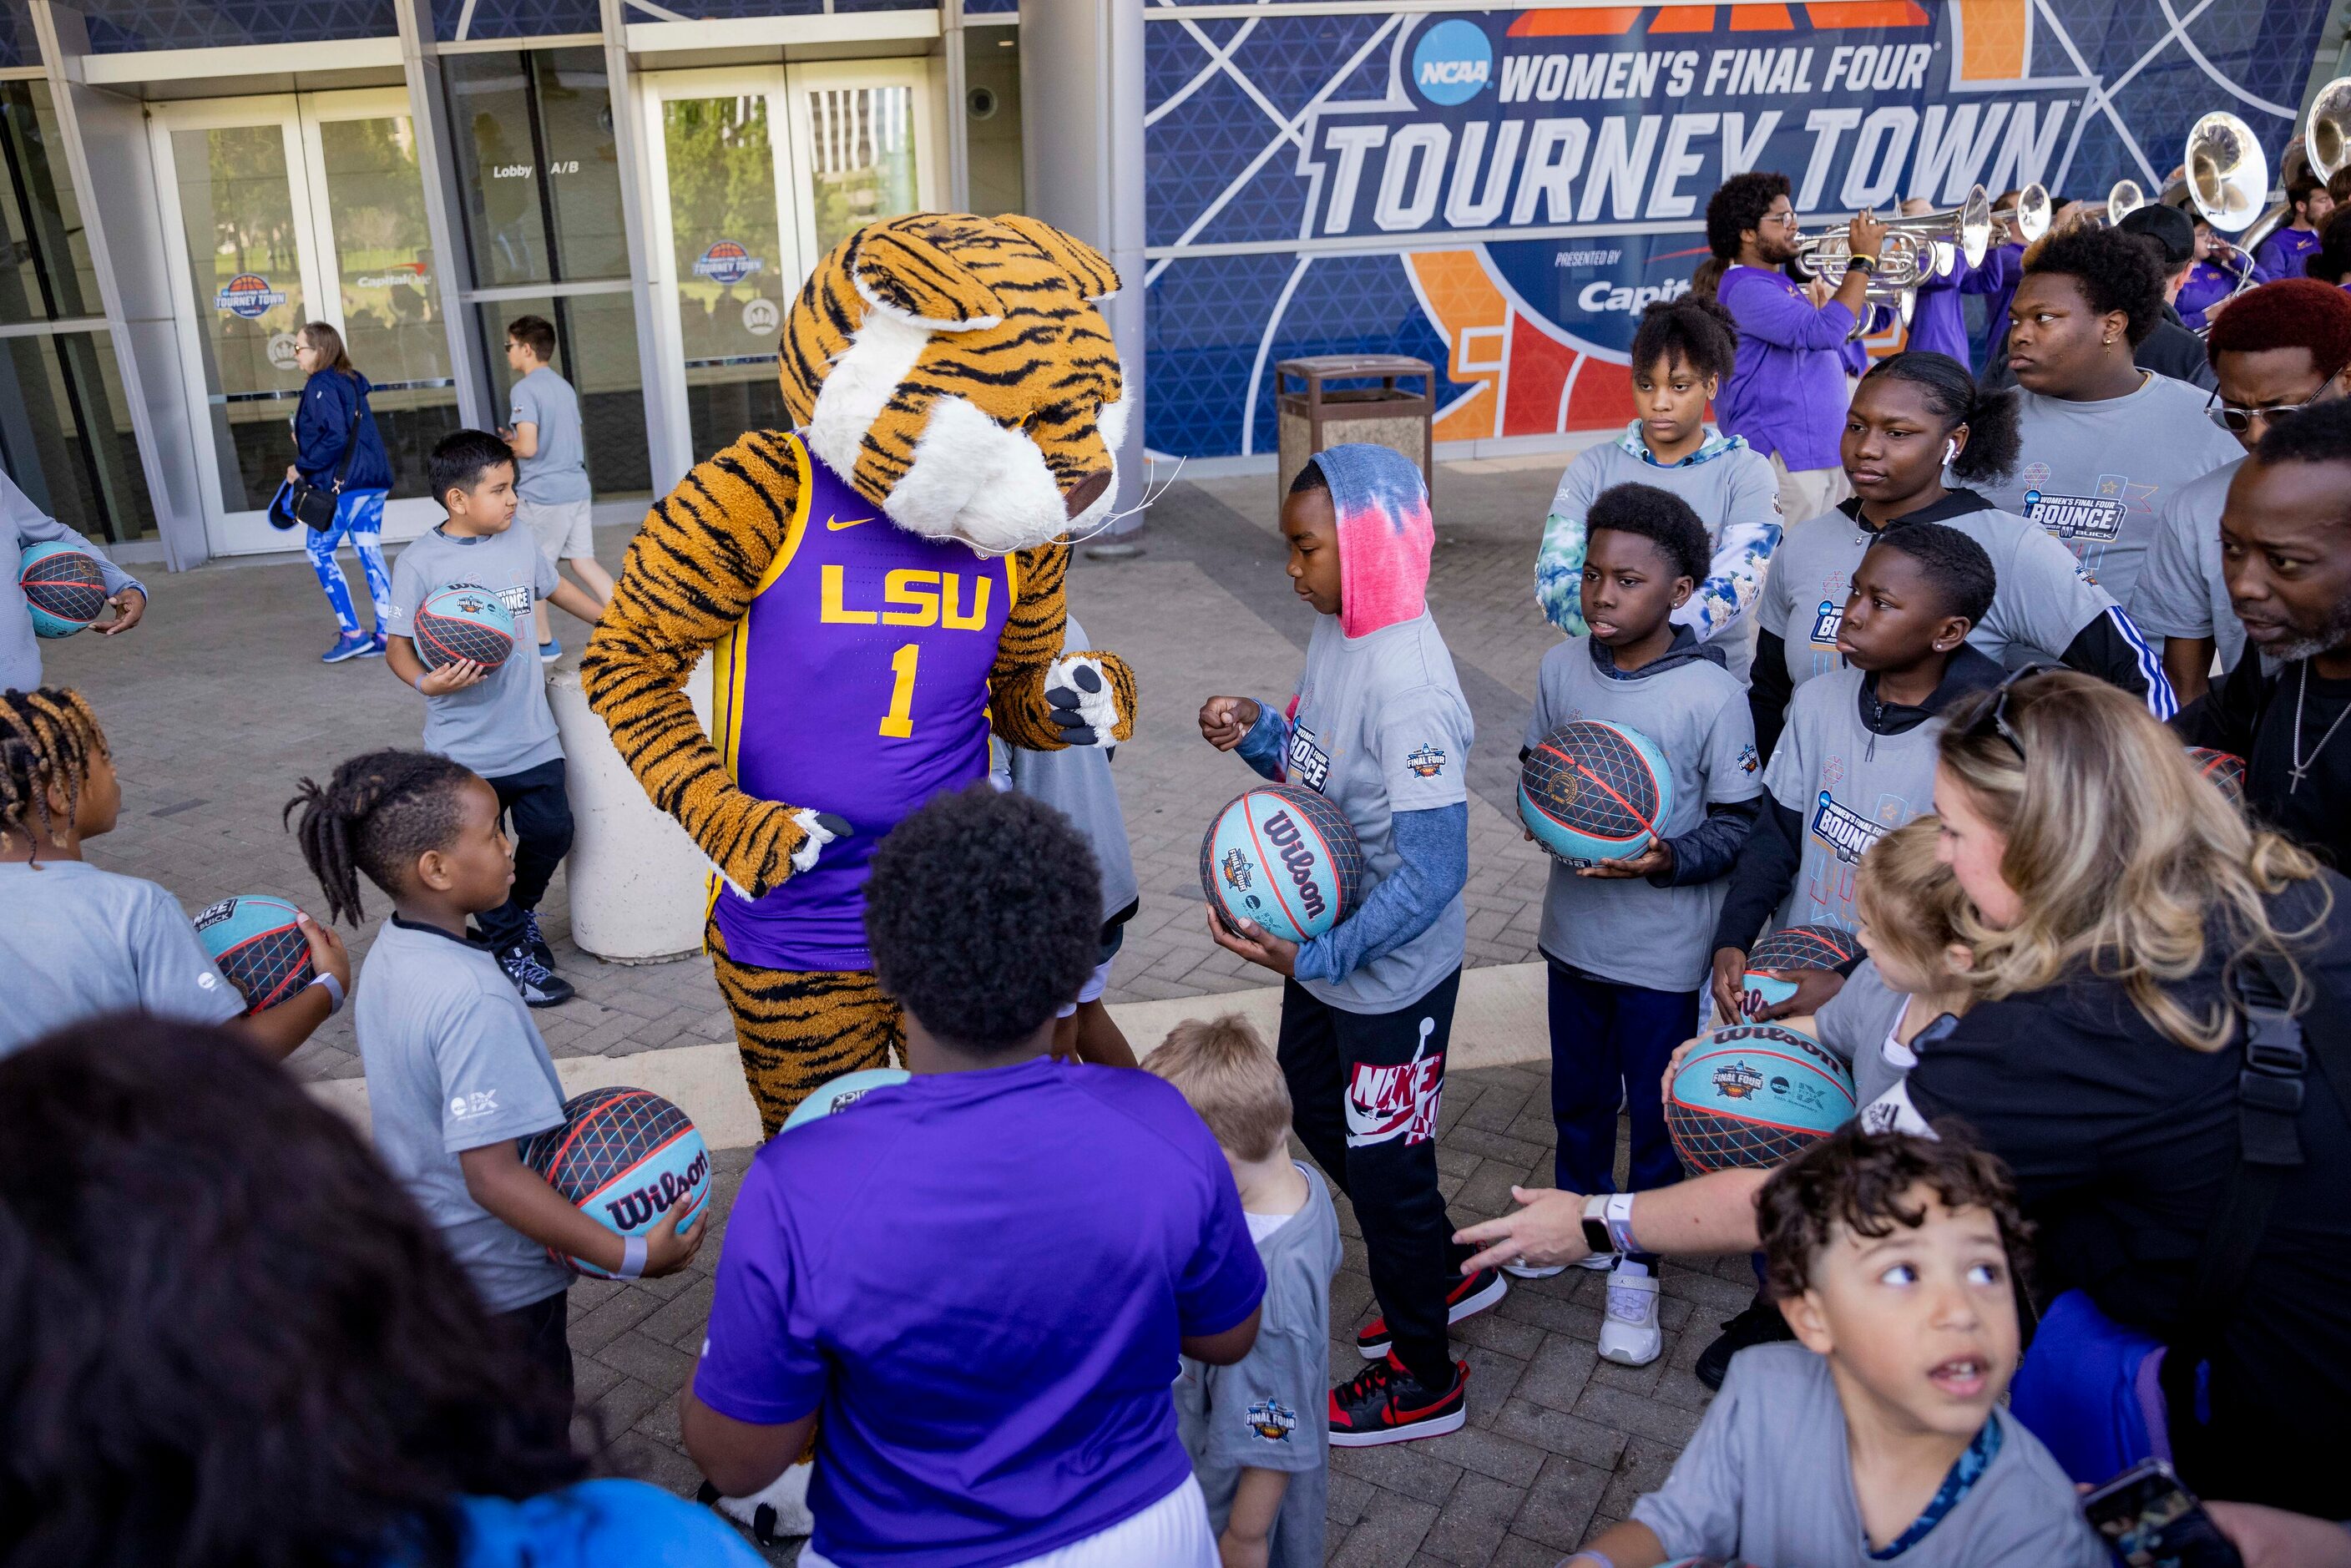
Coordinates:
[1385,1404]
[1466,1299]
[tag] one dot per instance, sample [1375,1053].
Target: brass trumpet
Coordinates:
[1911,256]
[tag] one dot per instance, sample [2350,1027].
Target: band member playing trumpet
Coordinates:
[2222,269]
[1788,391]
[2291,244]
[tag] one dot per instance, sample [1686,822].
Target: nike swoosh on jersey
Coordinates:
[834,525]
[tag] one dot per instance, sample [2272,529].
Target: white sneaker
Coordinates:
[1533,1270]
[1628,1333]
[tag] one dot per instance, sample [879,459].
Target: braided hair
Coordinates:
[48,740]
[376,814]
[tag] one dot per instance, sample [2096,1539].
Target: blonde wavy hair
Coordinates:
[2124,858]
[1913,904]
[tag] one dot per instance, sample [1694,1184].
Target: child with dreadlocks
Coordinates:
[75,941]
[456,1072]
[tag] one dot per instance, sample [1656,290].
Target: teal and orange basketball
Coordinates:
[1753,1094]
[1595,791]
[1284,858]
[622,1157]
[839,1094]
[1794,947]
[64,586]
[258,947]
[463,622]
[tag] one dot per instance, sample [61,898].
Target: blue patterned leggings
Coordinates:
[359,515]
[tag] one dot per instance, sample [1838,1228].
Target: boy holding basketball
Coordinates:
[1626,941]
[1881,1434]
[456,1072]
[495,721]
[1380,728]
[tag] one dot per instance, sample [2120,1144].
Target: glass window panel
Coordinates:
[47,272]
[392,326]
[533,133]
[65,435]
[237,213]
[729,261]
[596,351]
[991,119]
[861,158]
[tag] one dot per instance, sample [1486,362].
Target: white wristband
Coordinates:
[633,1258]
[334,992]
[1618,1217]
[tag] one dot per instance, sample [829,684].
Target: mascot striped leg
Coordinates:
[798,1030]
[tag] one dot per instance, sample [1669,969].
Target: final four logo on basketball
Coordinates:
[1844,829]
[1236,869]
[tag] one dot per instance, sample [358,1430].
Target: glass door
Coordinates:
[757,174]
[293,209]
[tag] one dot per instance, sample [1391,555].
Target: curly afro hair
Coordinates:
[1738,205]
[2113,270]
[1860,1182]
[1662,518]
[2291,313]
[984,912]
[1955,565]
[1696,331]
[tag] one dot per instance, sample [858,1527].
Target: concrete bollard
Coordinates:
[640,886]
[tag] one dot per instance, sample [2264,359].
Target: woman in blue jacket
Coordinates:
[334,397]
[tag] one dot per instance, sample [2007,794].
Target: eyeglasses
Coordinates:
[2236,420]
[1993,719]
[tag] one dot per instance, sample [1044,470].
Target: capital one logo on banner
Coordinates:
[1543,175]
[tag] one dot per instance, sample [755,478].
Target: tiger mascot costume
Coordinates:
[880,588]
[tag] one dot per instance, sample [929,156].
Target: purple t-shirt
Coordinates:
[981,1277]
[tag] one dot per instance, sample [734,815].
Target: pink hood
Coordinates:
[1384,535]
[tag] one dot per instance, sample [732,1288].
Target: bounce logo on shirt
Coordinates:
[2098,518]
[1827,621]
[1844,829]
[1452,62]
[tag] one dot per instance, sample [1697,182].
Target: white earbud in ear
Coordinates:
[1951,450]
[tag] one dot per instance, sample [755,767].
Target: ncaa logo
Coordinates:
[1452,62]
[727,262]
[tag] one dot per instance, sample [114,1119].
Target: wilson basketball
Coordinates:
[64,587]
[257,948]
[463,622]
[839,1094]
[1284,857]
[1794,947]
[1753,1095]
[1595,791]
[2224,768]
[622,1157]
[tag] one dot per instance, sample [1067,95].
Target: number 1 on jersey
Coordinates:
[899,722]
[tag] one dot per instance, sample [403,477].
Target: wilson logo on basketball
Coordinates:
[1297,859]
[629,1210]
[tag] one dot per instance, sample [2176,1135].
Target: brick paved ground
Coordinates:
[217,704]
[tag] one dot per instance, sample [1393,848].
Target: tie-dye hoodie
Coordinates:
[1386,535]
[1730,487]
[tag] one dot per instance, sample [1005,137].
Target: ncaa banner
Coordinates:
[1501,192]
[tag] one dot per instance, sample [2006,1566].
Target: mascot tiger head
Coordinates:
[955,371]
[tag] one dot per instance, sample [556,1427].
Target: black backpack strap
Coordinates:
[350,437]
[2270,1093]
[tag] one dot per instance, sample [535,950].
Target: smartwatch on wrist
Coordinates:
[1595,1225]
[1869,264]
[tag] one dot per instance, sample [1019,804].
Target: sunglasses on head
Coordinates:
[1993,719]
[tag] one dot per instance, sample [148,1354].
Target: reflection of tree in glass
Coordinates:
[722,185]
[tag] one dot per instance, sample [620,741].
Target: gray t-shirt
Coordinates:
[22,525]
[558,471]
[1769,1479]
[1856,1024]
[1077,783]
[2181,592]
[1381,726]
[1625,930]
[1270,1411]
[1850,785]
[453,1063]
[1734,492]
[76,942]
[501,724]
[2040,602]
[2093,474]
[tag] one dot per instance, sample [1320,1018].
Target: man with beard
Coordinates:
[1787,393]
[2285,548]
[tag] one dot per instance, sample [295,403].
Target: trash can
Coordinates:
[640,886]
[1316,415]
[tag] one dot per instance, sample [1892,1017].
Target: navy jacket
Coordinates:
[323,423]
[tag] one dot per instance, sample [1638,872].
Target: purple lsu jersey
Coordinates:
[856,683]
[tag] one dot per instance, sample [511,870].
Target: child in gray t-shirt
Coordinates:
[1881,1430]
[1259,1430]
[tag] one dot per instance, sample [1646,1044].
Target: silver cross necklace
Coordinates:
[2302,764]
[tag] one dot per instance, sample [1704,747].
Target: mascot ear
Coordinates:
[1097,279]
[901,273]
